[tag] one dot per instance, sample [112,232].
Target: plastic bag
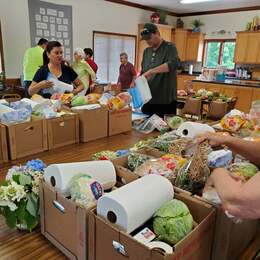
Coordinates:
[142,94]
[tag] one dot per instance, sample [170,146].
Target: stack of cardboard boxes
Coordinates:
[40,135]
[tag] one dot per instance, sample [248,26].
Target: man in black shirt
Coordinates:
[159,65]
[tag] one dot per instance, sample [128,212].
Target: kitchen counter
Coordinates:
[232,82]
[186,73]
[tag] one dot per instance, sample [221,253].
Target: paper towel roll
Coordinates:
[59,175]
[161,245]
[132,205]
[193,129]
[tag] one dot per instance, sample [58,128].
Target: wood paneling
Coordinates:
[194,47]
[183,80]
[241,45]
[180,41]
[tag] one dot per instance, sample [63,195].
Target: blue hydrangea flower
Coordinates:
[36,165]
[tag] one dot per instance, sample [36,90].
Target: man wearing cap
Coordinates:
[159,65]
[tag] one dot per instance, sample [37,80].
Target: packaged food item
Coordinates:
[244,170]
[104,155]
[136,159]
[92,98]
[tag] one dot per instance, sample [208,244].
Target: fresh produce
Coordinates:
[141,144]
[115,103]
[104,155]
[167,166]
[201,92]
[126,97]
[175,122]
[172,222]
[92,98]
[136,159]
[182,93]
[78,101]
[244,169]
[85,191]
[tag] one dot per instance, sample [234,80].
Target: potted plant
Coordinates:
[196,25]
[19,195]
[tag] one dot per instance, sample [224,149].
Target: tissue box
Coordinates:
[27,138]
[64,223]
[119,121]
[196,245]
[63,131]
[93,124]
[3,145]
[230,239]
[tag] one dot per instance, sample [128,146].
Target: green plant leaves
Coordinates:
[10,217]
[25,179]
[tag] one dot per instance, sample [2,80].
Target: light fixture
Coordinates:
[195,1]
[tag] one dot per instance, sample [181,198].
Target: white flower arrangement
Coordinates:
[19,195]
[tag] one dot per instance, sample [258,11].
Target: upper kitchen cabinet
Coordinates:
[247,48]
[166,33]
[194,47]
[188,44]
[179,38]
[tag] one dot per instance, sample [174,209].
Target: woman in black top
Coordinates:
[56,67]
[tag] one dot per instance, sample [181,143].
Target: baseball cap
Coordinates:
[148,29]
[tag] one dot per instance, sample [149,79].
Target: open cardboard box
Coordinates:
[93,124]
[196,245]
[119,121]
[230,239]
[63,130]
[3,145]
[27,138]
[64,223]
[124,175]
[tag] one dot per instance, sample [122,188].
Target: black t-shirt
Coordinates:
[68,75]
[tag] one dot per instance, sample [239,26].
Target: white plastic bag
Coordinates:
[143,89]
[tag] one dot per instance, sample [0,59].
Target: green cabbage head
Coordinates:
[172,222]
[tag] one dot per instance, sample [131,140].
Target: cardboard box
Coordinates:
[196,245]
[3,145]
[119,121]
[27,138]
[124,175]
[64,223]
[231,239]
[63,130]
[93,124]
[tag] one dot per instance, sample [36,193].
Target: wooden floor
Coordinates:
[16,245]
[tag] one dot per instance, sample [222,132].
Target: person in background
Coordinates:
[83,69]
[32,61]
[239,199]
[91,62]
[54,67]
[127,73]
[159,66]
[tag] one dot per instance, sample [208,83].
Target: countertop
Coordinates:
[232,82]
[194,74]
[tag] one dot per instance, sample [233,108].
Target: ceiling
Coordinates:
[176,7]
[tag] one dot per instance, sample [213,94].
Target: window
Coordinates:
[219,52]
[107,49]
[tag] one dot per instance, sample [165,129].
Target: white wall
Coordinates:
[88,16]
[231,22]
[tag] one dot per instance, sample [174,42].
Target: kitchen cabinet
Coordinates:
[256,94]
[230,91]
[179,38]
[189,44]
[244,98]
[183,81]
[194,47]
[247,48]
[166,33]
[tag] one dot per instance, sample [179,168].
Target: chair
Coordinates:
[11,97]
[192,107]
[218,109]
